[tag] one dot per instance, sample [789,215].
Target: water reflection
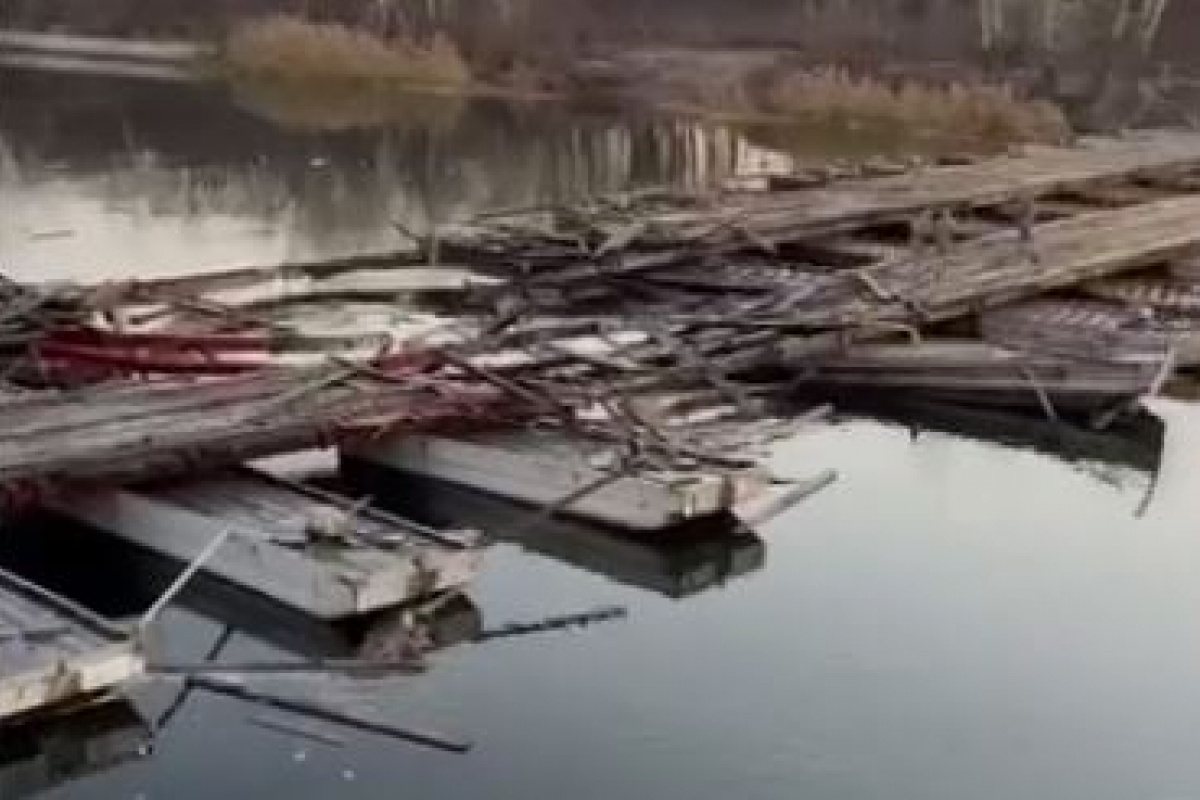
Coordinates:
[37,756]
[1133,442]
[130,182]
[681,564]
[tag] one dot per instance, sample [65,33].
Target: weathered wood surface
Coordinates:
[923,289]
[1166,294]
[52,651]
[763,220]
[976,368]
[974,276]
[1093,330]
[1040,171]
[119,433]
[371,562]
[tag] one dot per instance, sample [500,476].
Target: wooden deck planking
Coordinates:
[52,651]
[1040,171]
[122,433]
[763,220]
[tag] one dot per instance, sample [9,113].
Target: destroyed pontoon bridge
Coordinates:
[622,362]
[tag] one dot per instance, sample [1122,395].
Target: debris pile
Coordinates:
[681,330]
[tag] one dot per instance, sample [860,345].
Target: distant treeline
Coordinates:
[841,28]
[916,25]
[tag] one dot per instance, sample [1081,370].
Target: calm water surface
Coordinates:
[953,619]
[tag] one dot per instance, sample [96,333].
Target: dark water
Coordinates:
[953,619]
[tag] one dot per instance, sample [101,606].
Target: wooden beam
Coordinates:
[388,561]
[80,656]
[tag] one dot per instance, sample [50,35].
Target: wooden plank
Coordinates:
[102,47]
[543,468]
[783,216]
[122,433]
[53,651]
[270,551]
[84,65]
[978,373]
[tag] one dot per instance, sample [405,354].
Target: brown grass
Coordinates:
[974,110]
[284,47]
[334,106]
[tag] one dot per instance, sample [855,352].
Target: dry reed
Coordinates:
[965,110]
[286,47]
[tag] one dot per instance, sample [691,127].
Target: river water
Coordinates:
[955,618]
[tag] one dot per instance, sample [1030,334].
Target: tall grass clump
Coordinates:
[968,110]
[283,47]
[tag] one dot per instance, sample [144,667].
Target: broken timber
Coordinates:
[53,651]
[975,276]
[315,552]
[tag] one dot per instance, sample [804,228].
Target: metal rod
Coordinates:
[436,741]
[278,726]
[184,577]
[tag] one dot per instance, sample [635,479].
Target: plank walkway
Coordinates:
[126,432]
[790,215]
